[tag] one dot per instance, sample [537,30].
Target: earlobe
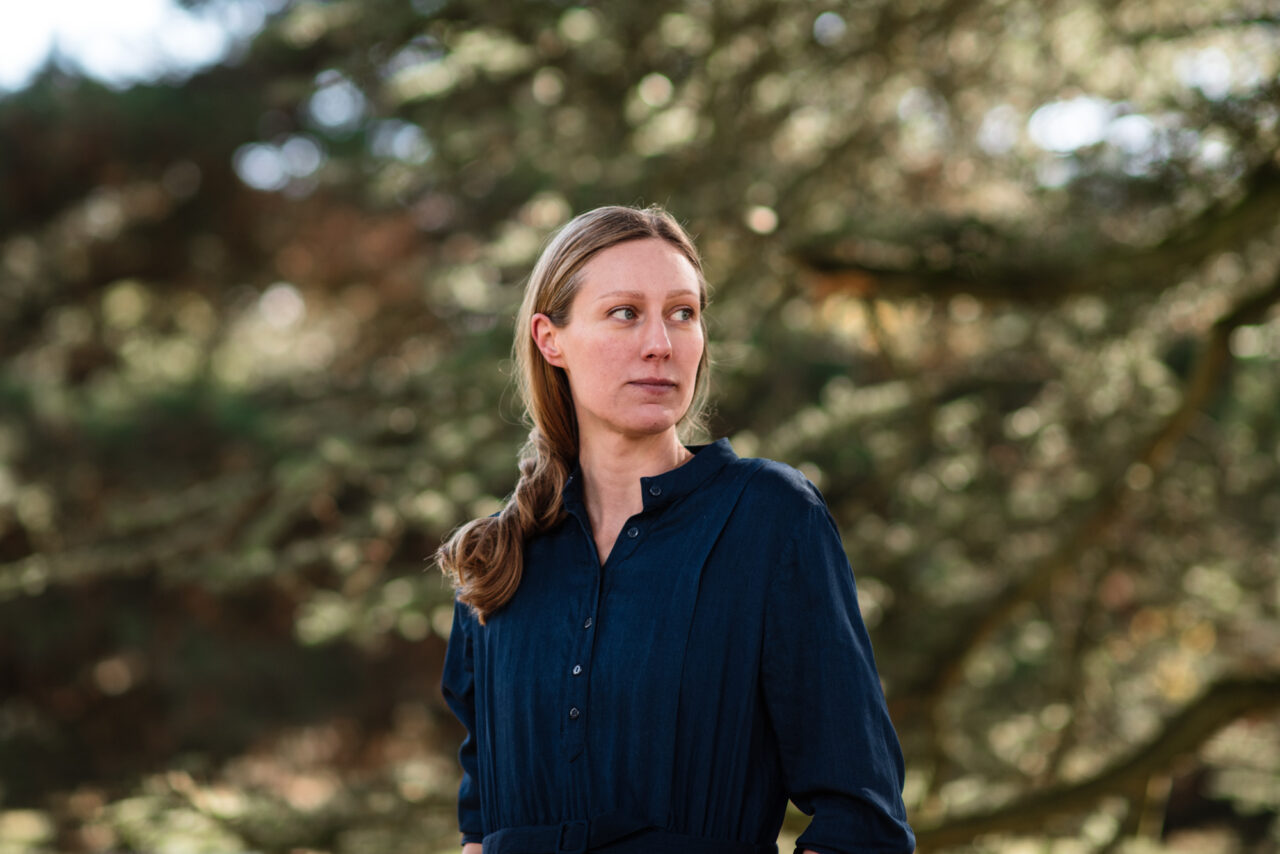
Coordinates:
[544,336]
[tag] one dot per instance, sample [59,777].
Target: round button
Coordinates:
[586,624]
[573,713]
[577,669]
[655,491]
[633,532]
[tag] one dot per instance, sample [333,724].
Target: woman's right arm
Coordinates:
[457,684]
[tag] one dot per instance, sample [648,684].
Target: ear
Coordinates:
[545,335]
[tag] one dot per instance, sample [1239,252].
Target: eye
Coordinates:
[623,312]
[684,314]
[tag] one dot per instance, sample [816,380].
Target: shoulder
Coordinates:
[783,515]
[465,620]
[779,482]
[781,493]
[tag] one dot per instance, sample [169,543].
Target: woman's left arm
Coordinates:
[841,758]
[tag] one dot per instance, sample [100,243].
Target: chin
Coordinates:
[641,423]
[650,426]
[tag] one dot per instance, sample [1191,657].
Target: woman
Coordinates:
[654,646]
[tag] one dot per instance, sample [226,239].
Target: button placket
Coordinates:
[576,690]
[572,707]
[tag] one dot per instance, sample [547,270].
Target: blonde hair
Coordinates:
[485,557]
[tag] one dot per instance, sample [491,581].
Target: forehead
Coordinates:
[647,264]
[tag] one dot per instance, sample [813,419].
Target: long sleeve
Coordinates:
[458,688]
[841,759]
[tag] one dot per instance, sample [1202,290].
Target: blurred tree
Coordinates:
[999,276]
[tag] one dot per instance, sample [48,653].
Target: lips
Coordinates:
[654,383]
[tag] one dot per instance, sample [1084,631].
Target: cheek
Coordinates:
[607,358]
[598,365]
[692,352]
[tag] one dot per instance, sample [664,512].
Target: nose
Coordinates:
[657,344]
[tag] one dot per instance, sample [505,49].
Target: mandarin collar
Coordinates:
[670,486]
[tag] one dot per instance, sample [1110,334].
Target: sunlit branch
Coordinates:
[1198,29]
[1050,274]
[1154,455]
[1086,605]
[1225,701]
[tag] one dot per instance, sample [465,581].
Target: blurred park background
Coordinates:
[1000,276]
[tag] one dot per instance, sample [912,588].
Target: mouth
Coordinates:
[654,384]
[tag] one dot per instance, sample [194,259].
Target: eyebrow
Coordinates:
[638,295]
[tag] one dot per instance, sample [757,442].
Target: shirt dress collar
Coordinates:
[661,490]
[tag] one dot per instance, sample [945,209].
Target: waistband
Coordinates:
[611,834]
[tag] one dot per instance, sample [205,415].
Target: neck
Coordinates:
[612,466]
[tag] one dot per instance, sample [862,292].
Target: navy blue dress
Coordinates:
[676,697]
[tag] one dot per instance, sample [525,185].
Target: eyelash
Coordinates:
[614,312]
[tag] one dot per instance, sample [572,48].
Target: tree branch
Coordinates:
[1199,29]
[1048,273]
[1155,455]
[1225,701]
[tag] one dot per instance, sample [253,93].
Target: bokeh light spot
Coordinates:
[1067,125]
[337,105]
[828,28]
[282,306]
[261,166]
[655,90]
[762,219]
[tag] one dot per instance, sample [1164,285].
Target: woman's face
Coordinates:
[632,342]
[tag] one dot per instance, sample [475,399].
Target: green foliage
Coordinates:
[256,338]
